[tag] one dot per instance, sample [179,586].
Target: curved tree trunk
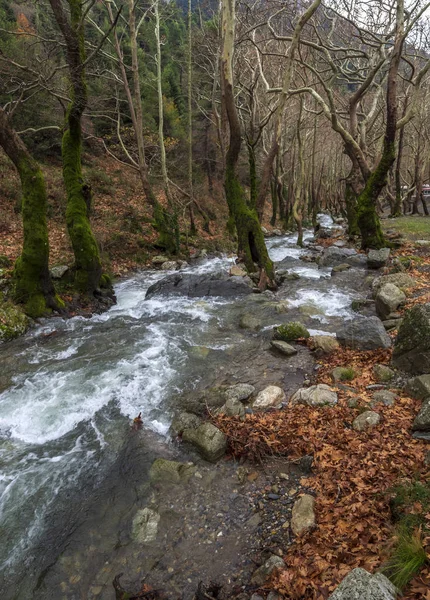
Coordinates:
[33,286]
[87,258]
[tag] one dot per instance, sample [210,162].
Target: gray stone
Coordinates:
[340,268]
[209,441]
[58,271]
[145,526]
[388,299]
[233,408]
[303,514]
[340,244]
[378,258]
[391,324]
[385,397]
[237,271]
[198,286]
[412,347]
[333,256]
[361,585]
[169,265]
[283,348]
[184,421]
[418,387]
[382,373]
[364,333]
[366,420]
[170,471]
[325,343]
[240,391]
[310,309]
[316,395]
[422,420]
[248,321]
[401,280]
[262,573]
[271,397]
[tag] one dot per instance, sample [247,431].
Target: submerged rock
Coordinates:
[271,397]
[303,514]
[316,395]
[249,321]
[361,585]
[412,347]
[209,441]
[13,322]
[364,333]
[145,526]
[197,286]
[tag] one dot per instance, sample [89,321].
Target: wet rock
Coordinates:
[422,420]
[262,573]
[237,271]
[401,280]
[366,420]
[13,322]
[145,526]
[282,307]
[271,397]
[418,387]
[334,256]
[303,514]
[385,397]
[289,332]
[240,391]
[364,333]
[310,310]
[58,271]
[169,265]
[209,441]
[249,321]
[388,299]
[184,421]
[382,373]
[283,348]
[325,343]
[361,585]
[340,268]
[412,347]
[316,395]
[378,258]
[233,408]
[170,471]
[196,286]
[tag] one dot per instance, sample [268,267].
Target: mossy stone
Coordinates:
[13,322]
[288,332]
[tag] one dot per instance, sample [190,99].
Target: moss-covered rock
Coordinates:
[343,374]
[13,322]
[288,332]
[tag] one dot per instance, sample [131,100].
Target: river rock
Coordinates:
[184,421]
[412,347]
[382,373]
[240,391]
[262,573]
[333,256]
[364,333]
[13,322]
[378,258]
[58,271]
[157,261]
[422,420]
[388,299]
[361,585]
[401,280]
[340,268]
[209,441]
[169,265]
[145,526]
[233,408]
[198,286]
[289,332]
[366,420]
[249,321]
[237,271]
[170,471]
[385,397]
[418,387]
[271,397]
[283,348]
[310,309]
[303,514]
[325,343]
[316,395]
[282,307]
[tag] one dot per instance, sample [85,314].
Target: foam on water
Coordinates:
[332,303]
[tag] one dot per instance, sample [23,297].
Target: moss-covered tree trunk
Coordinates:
[88,268]
[32,283]
[251,245]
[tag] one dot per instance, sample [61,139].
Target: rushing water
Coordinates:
[71,385]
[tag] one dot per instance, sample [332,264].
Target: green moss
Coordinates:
[351,211]
[5,262]
[344,374]
[13,322]
[105,281]
[291,331]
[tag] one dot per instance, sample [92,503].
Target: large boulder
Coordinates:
[316,395]
[364,333]
[184,421]
[388,299]
[361,585]
[412,347]
[422,420]
[419,387]
[197,286]
[378,258]
[271,397]
[303,514]
[333,256]
[13,322]
[209,441]
[249,321]
[401,280]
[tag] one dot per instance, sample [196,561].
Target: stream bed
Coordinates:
[73,472]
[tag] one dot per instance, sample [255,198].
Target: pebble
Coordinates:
[273,496]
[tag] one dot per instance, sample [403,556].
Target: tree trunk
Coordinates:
[251,245]
[396,212]
[87,259]
[253,191]
[32,283]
